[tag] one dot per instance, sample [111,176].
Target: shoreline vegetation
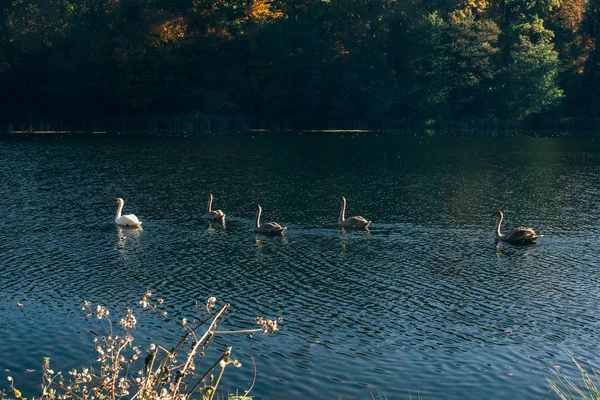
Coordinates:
[587,387]
[160,372]
[180,372]
[280,64]
[206,125]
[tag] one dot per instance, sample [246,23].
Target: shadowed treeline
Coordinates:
[300,64]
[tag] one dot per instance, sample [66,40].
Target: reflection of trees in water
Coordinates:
[464,181]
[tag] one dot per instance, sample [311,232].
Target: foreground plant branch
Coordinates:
[119,372]
[587,387]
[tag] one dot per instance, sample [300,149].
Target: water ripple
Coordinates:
[423,303]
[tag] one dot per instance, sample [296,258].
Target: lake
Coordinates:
[425,304]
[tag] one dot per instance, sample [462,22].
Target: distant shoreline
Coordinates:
[307,132]
[199,125]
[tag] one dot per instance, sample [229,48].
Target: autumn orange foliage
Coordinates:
[261,11]
[571,14]
[172,30]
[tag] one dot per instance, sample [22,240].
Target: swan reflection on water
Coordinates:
[128,235]
[498,246]
[363,231]
[216,226]
[347,235]
[343,245]
[502,249]
[260,239]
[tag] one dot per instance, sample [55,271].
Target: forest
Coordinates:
[311,63]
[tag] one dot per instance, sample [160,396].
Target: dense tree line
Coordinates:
[308,61]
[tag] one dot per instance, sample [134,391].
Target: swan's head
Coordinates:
[342,199]
[258,207]
[498,214]
[119,200]
[210,196]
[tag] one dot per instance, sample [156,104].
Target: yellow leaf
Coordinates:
[17,393]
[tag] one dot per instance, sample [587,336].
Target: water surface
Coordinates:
[424,304]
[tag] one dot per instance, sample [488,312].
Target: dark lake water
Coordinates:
[425,304]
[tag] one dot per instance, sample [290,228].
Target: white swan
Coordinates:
[216,215]
[126,220]
[519,235]
[269,227]
[357,222]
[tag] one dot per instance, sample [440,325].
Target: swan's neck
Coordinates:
[209,208]
[119,209]
[257,222]
[342,211]
[498,222]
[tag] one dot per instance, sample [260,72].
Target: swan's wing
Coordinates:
[215,214]
[522,234]
[129,219]
[355,222]
[273,226]
[132,218]
[358,220]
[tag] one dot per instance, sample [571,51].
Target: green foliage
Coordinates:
[530,83]
[305,63]
[473,51]
[587,388]
[453,78]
